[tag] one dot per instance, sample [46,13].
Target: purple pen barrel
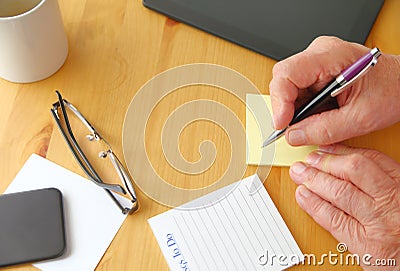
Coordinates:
[360,64]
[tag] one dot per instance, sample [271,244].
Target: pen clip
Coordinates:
[340,79]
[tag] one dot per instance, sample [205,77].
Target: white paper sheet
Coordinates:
[91,218]
[234,228]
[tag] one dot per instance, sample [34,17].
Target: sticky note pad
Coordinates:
[258,127]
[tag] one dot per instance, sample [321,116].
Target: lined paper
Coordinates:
[234,228]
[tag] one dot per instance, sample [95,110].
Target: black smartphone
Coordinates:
[31,226]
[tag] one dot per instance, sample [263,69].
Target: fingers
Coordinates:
[321,129]
[387,164]
[342,194]
[341,225]
[289,76]
[356,168]
[342,189]
[310,69]
[282,102]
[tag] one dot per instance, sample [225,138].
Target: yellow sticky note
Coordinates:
[258,127]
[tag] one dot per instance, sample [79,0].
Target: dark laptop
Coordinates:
[274,28]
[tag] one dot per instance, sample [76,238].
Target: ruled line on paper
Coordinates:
[218,234]
[185,242]
[243,229]
[203,243]
[205,226]
[228,233]
[276,224]
[255,218]
[270,225]
[228,237]
[237,234]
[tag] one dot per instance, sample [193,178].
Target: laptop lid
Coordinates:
[274,28]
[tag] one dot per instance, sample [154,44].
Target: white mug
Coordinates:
[33,43]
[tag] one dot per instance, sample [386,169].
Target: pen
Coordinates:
[334,88]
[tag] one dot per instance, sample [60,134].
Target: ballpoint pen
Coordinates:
[334,88]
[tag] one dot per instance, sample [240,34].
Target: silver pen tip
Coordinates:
[273,137]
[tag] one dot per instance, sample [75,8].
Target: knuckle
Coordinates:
[313,175]
[354,163]
[347,198]
[368,123]
[338,221]
[320,39]
[325,162]
[375,155]
[326,40]
[319,210]
[325,135]
[273,91]
[279,68]
[341,191]
[389,198]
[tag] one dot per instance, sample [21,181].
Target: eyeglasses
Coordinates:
[63,122]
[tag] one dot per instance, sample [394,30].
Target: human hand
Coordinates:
[355,195]
[370,104]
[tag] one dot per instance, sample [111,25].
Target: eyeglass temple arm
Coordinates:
[80,116]
[123,175]
[96,179]
[118,165]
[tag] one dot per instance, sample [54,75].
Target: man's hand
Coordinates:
[355,195]
[370,104]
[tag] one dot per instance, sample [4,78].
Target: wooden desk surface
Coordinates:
[115,47]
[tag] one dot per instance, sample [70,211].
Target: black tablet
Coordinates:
[275,28]
[31,227]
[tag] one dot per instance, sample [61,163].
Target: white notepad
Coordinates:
[234,228]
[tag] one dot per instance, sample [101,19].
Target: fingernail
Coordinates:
[297,137]
[313,158]
[298,168]
[273,122]
[326,148]
[304,192]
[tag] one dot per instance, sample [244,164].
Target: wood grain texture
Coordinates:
[114,48]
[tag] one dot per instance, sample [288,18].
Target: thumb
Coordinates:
[322,129]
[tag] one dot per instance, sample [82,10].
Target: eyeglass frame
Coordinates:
[85,164]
